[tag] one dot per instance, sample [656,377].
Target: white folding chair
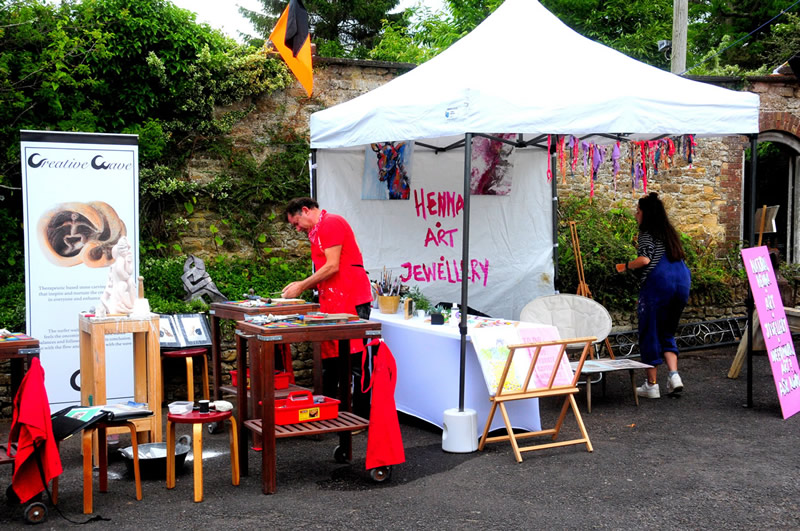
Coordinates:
[576,316]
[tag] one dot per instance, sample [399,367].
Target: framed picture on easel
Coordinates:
[194,328]
[168,336]
[183,330]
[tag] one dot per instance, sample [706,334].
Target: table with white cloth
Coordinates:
[428,368]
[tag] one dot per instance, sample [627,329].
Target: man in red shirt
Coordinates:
[340,278]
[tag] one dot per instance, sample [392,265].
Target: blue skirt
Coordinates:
[662,299]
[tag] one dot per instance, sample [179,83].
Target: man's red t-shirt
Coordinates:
[350,286]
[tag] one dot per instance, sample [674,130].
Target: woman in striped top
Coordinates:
[664,282]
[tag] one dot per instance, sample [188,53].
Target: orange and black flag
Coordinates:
[290,37]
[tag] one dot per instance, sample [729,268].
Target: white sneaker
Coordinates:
[648,390]
[674,384]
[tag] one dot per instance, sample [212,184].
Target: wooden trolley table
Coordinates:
[235,311]
[261,341]
[18,348]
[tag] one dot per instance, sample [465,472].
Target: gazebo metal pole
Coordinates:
[751,211]
[554,189]
[462,326]
[312,173]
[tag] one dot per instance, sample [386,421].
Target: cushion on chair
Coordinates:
[572,315]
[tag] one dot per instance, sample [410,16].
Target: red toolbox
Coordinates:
[299,406]
[281,379]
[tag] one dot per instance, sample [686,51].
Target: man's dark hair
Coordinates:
[296,205]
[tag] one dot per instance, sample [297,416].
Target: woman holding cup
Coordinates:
[664,282]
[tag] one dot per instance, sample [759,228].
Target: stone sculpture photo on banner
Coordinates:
[76,233]
[387,170]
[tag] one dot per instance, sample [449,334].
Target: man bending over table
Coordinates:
[341,281]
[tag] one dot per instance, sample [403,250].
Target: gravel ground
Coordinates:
[701,461]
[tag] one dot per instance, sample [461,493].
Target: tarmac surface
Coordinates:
[700,461]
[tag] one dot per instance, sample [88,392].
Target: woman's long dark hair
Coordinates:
[656,222]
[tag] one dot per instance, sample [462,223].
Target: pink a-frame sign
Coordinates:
[774,327]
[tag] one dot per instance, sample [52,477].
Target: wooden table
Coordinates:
[600,366]
[261,341]
[19,349]
[236,312]
[146,366]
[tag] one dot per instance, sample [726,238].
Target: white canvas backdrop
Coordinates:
[513,233]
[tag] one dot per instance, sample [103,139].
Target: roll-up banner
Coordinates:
[80,196]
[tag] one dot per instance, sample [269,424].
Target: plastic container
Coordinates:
[301,406]
[180,408]
[281,379]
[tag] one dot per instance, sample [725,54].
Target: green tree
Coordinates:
[421,34]
[345,28]
[783,41]
[137,66]
[717,19]
[632,27]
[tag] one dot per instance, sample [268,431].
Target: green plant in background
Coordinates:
[232,276]
[421,302]
[607,238]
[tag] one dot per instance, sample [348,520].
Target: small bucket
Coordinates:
[388,303]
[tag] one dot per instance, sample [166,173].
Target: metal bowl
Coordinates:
[153,458]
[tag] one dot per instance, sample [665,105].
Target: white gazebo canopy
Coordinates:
[523,71]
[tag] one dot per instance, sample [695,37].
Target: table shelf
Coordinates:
[345,421]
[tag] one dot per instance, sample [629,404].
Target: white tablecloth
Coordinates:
[428,361]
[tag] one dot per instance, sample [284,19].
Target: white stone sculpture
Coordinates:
[120,293]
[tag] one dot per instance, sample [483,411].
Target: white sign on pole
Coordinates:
[80,195]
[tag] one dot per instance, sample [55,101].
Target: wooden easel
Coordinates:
[540,363]
[741,352]
[583,287]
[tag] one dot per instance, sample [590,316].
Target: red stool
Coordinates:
[197,419]
[188,354]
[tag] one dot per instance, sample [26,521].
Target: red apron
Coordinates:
[384,442]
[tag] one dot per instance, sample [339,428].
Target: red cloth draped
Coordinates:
[32,428]
[384,441]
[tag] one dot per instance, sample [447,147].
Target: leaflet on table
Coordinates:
[112,411]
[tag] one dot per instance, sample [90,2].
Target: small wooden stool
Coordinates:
[188,354]
[197,419]
[102,457]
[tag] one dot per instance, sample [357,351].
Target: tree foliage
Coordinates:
[129,66]
[633,27]
[345,28]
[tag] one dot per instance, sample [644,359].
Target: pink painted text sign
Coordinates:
[774,327]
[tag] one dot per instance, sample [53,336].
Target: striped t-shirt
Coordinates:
[653,249]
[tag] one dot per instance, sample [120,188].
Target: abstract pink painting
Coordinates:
[491,165]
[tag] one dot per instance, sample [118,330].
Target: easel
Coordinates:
[583,287]
[553,388]
[746,341]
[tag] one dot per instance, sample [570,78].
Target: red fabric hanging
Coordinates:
[32,428]
[384,441]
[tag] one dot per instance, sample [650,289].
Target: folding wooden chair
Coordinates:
[551,381]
